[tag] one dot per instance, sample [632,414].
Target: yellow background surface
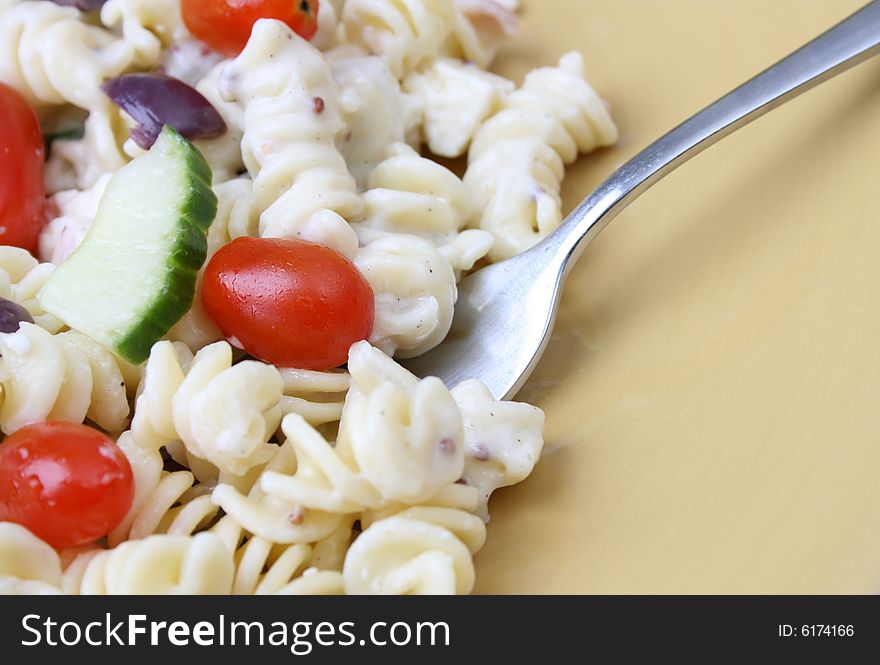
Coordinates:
[713,386]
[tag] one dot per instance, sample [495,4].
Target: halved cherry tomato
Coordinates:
[67,483]
[225,25]
[22,159]
[288,302]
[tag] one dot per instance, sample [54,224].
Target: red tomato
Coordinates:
[225,25]
[67,483]
[288,302]
[22,159]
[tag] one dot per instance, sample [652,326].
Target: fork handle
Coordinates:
[848,43]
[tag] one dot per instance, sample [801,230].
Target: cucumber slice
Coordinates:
[134,275]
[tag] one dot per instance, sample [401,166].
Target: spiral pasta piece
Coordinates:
[517,158]
[410,194]
[147,26]
[409,33]
[21,278]
[316,396]
[405,33]
[291,113]
[328,554]
[480,27]
[152,425]
[452,508]
[274,518]
[405,434]
[408,555]
[503,440]
[456,496]
[327,35]
[455,98]
[376,113]
[163,501]
[433,543]
[327,478]
[226,413]
[160,564]
[223,413]
[415,292]
[59,377]
[263,568]
[400,441]
[52,57]
[28,566]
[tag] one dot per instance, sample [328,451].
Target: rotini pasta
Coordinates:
[264,568]
[290,100]
[223,413]
[479,29]
[59,377]
[21,278]
[412,195]
[316,396]
[516,162]
[400,441]
[502,440]
[327,35]
[190,61]
[456,98]
[376,113]
[404,434]
[457,496]
[405,33]
[52,57]
[409,33]
[160,564]
[273,518]
[429,560]
[163,501]
[408,555]
[147,26]
[415,292]
[329,553]
[27,565]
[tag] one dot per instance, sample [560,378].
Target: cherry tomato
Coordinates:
[67,483]
[225,25]
[289,302]
[22,159]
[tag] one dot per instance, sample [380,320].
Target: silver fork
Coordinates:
[505,313]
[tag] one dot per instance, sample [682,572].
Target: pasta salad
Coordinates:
[220,223]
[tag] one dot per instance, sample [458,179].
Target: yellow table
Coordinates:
[713,387]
